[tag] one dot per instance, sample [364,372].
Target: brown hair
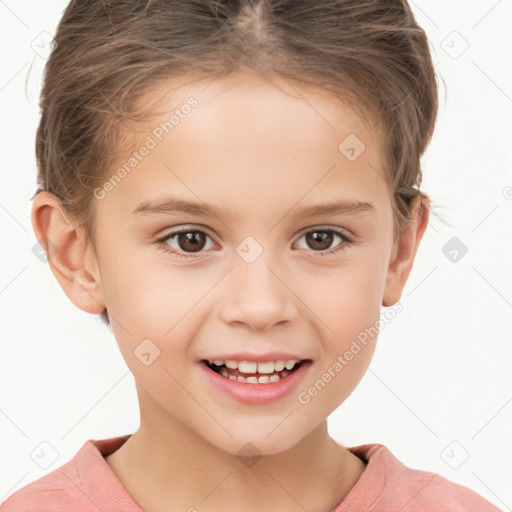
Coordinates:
[108,53]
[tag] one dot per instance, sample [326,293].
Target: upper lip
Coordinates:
[258,358]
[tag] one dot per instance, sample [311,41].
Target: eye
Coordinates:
[322,238]
[187,241]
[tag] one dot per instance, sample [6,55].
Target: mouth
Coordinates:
[255,383]
[255,372]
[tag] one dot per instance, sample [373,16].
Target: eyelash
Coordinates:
[346,242]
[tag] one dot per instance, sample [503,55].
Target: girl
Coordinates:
[234,187]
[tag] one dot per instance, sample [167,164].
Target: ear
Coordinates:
[405,251]
[73,264]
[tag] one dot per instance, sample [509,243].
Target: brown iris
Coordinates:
[191,241]
[325,238]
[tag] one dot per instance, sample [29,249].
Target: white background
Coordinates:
[440,373]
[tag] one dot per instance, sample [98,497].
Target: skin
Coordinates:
[263,150]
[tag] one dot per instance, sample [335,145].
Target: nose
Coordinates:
[258,295]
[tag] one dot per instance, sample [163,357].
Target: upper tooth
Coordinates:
[247,367]
[267,367]
[254,367]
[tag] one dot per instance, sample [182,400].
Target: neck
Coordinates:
[174,469]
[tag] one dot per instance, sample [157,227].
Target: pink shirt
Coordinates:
[87,484]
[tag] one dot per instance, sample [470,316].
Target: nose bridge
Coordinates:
[257,295]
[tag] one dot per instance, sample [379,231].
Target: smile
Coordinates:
[255,383]
[254,373]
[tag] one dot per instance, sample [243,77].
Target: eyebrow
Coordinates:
[175,205]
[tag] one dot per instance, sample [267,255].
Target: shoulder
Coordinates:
[431,491]
[56,491]
[407,489]
[85,483]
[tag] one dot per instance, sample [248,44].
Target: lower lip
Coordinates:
[256,393]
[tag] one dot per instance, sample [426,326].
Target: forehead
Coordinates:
[246,135]
[248,102]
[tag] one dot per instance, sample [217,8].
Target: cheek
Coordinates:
[348,298]
[156,302]
[146,295]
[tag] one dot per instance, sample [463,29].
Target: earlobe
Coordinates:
[72,263]
[404,252]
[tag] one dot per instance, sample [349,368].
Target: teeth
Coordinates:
[264,379]
[254,367]
[272,371]
[246,367]
[279,366]
[266,367]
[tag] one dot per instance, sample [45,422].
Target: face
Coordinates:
[262,276]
